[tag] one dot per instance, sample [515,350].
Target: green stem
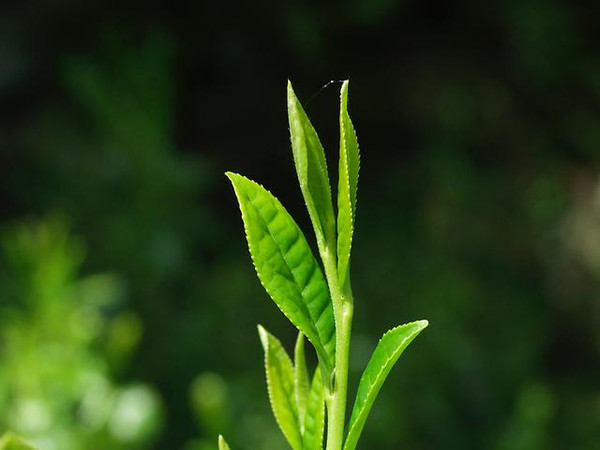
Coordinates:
[337,391]
[337,410]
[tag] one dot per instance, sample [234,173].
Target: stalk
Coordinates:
[343,311]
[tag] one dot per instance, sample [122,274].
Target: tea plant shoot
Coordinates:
[315,294]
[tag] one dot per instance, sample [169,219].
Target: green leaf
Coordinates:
[314,424]
[222,444]
[10,441]
[311,167]
[286,266]
[280,383]
[389,349]
[347,186]
[301,384]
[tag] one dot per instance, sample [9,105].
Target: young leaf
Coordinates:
[222,444]
[347,185]
[286,266]
[10,441]
[314,423]
[311,167]
[389,349]
[280,383]
[301,385]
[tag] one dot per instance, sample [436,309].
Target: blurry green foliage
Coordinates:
[209,401]
[111,164]
[10,441]
[58,360]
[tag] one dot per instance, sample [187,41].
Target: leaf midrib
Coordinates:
[303,306]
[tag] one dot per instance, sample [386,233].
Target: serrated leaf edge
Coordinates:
[352,130]
[301,162]
[344,176]
[327,364]
[423,325]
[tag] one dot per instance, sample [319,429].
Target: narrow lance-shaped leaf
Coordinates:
[389,349]
[280,383]
[222,444]
[314,424]
[301,384]
[311,167]
[347,186]
[286,266]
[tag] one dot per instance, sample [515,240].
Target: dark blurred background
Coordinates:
[128,303]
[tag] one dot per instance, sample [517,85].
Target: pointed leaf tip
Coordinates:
[233,176]
[344,89]
[264,337]
[222,444]
[292,100]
